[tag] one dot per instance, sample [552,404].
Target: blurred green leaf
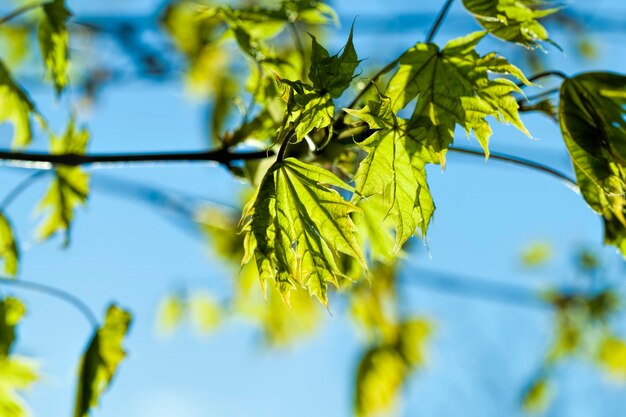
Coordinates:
[9,252]
[537,254]
[101,360]
[69,188]
[54,42]
[16,108]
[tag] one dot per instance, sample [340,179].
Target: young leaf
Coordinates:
[9,252]
[394,169]
[296,226]
[512,20]
[453,85]
[54,42]
[69,188]
[333,74]
[101,359]
[591,115]
[16,108]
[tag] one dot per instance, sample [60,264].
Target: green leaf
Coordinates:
[592,109]
[16,373]
[385,369]
[101,360]
[9,252]
[395,170]
[612,357]
[54,42]
[16,108]
[12,311]
[512,20]
[536,398]
[333,74]
[170,313]
[314,112]
[296,226]
[453,85]
[69,188]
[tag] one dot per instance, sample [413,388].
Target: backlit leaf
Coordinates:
[453,85]
[394,169]
[296,226]
[512,20]
[592,113]
[16,108]
[69,188]
[54,42]
[101,360]
[9,252]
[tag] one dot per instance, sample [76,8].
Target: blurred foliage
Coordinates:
[16,373]
[101,360]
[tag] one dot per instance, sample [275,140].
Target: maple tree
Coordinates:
[339,191]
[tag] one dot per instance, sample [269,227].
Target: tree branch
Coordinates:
[70,299]
[19,189]
[17,12]
[440,18]
[569,182]
[36,160]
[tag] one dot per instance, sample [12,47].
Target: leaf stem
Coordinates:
[552,73]
[70,299]
[19,11]
[19,189]
[569,182]
[46,161]
[440,18]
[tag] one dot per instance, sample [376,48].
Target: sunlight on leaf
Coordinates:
[101,360]
[16,108]
[453,86]
[9,252]
[69,188]
[54,42]
[296,226]
[512,20]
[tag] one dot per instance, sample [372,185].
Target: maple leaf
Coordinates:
[296,226]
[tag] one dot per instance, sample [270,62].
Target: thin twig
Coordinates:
[19,189]
[19,11]
[570,182]
[48,161]
[70,299]
[552,73]
[440,18]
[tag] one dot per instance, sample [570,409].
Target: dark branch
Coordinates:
[440,18]
[570,182]
[17,12]
[47,161]
[70,299]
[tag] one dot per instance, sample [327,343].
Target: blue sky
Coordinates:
[482,353]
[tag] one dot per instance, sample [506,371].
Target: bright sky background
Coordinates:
[482,353]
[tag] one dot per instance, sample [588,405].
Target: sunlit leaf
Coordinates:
[54,42]
[296,226]
[453,85]
[9,252]
[205,312]
[101,360]
[592,115]
[512,20]
[16,108]
[394,169]
[16,373]
[537,254]
[536,398]
[170,313]
[612,357]
[69,188]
